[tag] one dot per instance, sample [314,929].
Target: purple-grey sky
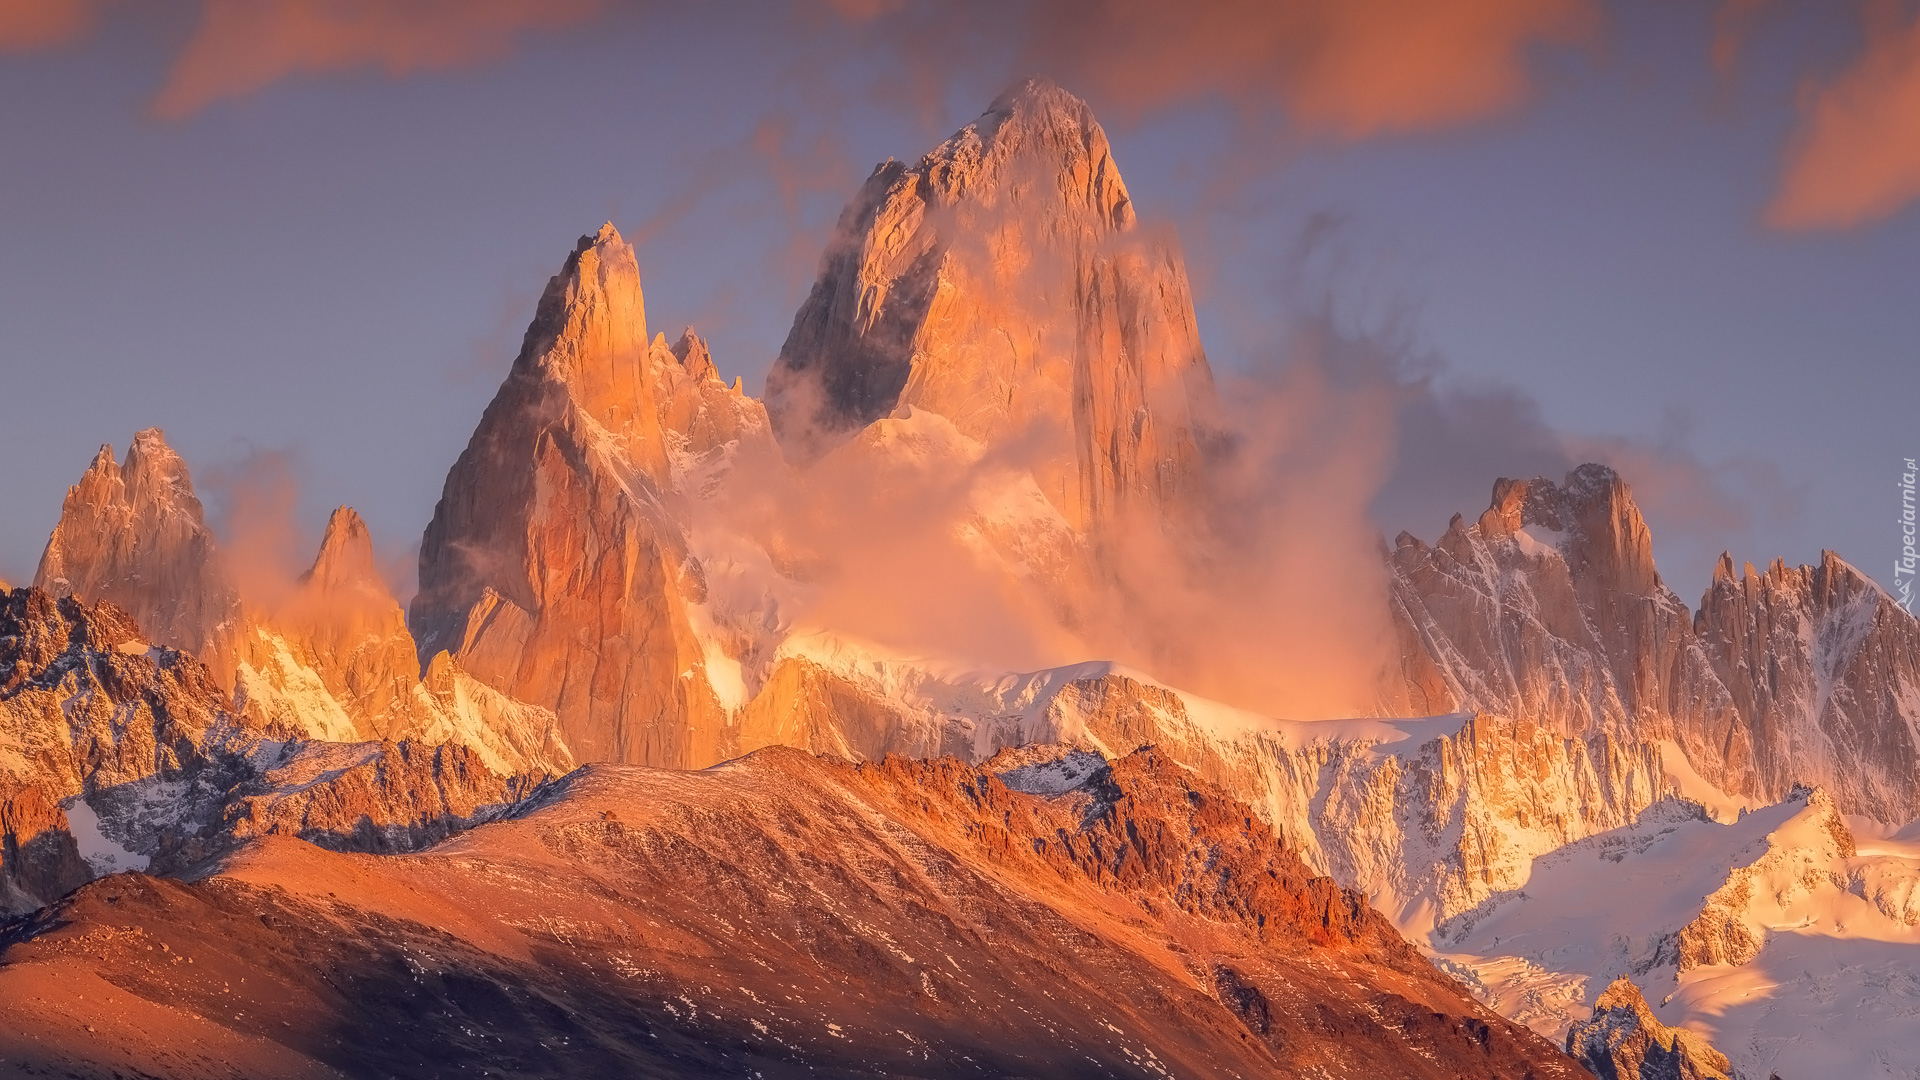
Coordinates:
[1575,230]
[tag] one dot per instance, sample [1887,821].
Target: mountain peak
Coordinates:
[1038,103]
[155,473]
[135,535]
[1034,90]
[589,333]
[346,553]
[691,351]
[989,284]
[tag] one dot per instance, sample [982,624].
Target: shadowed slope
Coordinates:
[785,915]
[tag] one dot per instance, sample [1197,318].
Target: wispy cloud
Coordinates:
[1856,158]
[37,24]
[241,46]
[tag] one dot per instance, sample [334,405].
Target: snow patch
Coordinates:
[1054,777]
[102,855]
[1724,808]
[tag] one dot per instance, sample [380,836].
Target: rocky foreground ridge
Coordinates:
[119,754]
[780,915]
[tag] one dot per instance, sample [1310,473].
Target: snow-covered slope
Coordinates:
[1778,937]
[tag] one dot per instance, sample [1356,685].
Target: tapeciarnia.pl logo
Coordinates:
[1903,567]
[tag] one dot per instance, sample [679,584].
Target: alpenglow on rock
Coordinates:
[136,537]
[553,569]
[1549,608]
[1001,283]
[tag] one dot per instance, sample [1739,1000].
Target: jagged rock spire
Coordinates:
[552,570]
[136,536]
[589,335]
[345,558]
[691,351]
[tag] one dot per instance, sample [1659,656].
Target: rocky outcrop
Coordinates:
[141,740]
[377,797]
[1000,283]
[1796,862]
[329,658]
[781,914]
[553,570]
[88,709]
[1823,668]
[342,627]
[1549,607]
[136,537]
[709,426]
[335,661]
[39,860]
[1624,1041]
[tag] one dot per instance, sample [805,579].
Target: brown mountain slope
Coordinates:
[779,915]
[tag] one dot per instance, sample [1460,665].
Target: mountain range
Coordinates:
[730,735]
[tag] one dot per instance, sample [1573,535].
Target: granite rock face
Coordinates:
[329,658]
[1001,283]
[136,537]
[553,569]
[1625,1041]
[334,660]
[1823,669]
[1549,607]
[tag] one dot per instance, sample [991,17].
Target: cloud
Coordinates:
[1347,69]
[1732,23]
[252,500]
[1856,157]
[37,24]
[241,46]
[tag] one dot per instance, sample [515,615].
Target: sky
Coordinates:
[304,236]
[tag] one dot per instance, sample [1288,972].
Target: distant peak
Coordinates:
[346,552]
[344,527]
[691,350]
[1591,478]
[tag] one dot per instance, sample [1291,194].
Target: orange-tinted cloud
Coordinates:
[241,46]
[1856,158]
[1348,69]
[36,24]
